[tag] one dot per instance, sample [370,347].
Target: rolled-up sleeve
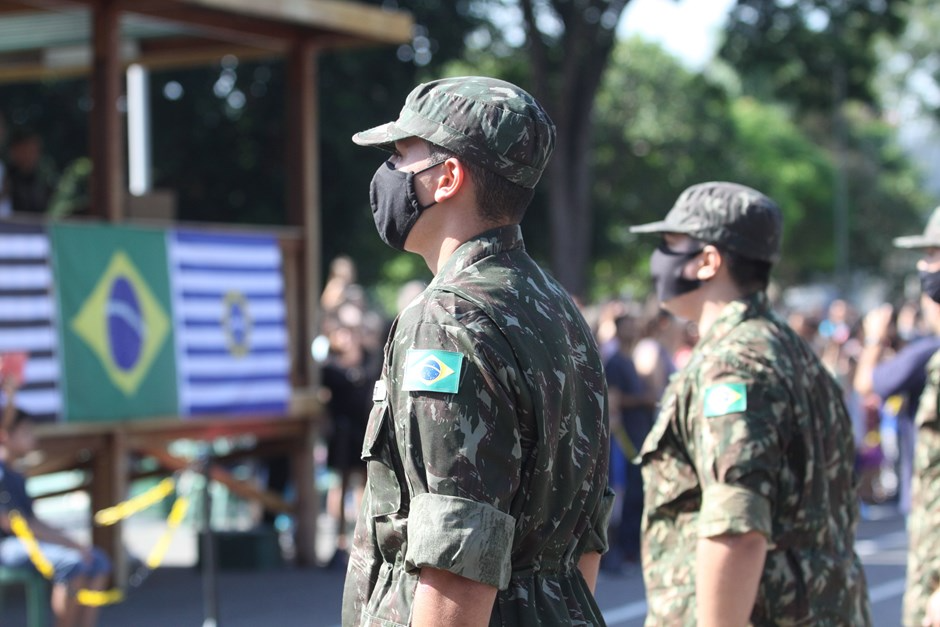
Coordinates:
[462,460]
[737,454]
[728,509]
[467,538]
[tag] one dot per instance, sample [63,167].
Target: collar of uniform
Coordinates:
[734,313]
[486,244]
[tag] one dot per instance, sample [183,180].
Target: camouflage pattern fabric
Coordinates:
[923,522]
[753,435]
[502,480]
[730,215]
[489,122]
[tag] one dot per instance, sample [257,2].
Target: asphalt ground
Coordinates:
[175,595]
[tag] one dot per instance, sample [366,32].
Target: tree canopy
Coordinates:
[810,53]
[635,128]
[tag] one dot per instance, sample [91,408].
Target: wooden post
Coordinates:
[303,194]
[109,485]
[307,505]
[106,141]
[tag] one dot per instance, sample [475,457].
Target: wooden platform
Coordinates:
[105,452]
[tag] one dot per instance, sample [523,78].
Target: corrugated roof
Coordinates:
[38,31]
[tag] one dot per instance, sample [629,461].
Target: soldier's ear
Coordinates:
[449,179]
[709,263]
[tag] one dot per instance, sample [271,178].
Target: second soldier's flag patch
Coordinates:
[432,371]
[725,398]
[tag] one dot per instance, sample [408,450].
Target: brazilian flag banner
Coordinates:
[115,322]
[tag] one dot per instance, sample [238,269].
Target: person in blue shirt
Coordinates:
[75,566]
[901,373]
[631,418]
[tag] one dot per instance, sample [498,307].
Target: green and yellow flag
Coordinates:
[115,322]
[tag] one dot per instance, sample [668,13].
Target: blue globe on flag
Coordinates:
[125,324]
[431,370]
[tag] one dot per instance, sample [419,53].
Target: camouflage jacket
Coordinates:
[923,523]
[753,435]
[487,446]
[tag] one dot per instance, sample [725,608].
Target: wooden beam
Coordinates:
[234,28]
[199,55]
[241,488]
[109,486]
[307,501]
[303,190]
[303,194]
[33,6]
[7,7]
[107,177]
[362,21]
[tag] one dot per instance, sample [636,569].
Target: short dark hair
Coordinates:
[499,200]
[750,275]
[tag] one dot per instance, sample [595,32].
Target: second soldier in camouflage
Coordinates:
[922,595]
[750,504]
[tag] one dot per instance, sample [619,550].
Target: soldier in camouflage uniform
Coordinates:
[487,447]
[750,506]
[922,596]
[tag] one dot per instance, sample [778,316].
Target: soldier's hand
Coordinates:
[932,617]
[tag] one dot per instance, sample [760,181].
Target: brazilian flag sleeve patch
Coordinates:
[725,398]
[432,371]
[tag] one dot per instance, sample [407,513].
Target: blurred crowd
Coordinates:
[349,350]
[878,357]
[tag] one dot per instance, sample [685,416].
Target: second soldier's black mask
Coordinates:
[930,285]
[395,206]
[666,268]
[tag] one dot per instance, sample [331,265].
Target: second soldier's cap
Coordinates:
[489,122]
[735,217]
[929,239]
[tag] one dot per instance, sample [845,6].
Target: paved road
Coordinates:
[289,597]
[882,545]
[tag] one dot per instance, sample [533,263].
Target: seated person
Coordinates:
[75,566]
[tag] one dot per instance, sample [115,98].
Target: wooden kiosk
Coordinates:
[165,33]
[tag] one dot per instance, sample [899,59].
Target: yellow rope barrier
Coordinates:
[128,508]
[110,516]
[163,544]
[99,598]
[22,531]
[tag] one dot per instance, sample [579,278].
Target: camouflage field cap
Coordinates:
[489,122]
[733,216]
[930,237]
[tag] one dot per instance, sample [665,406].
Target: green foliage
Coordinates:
[774,156]
[71,192]
[809,53]
[661,128]
[910,68]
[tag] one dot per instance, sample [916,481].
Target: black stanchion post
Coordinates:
[210,595]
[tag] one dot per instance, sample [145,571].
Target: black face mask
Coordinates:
[395,206]
[930,285]
[666,268]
